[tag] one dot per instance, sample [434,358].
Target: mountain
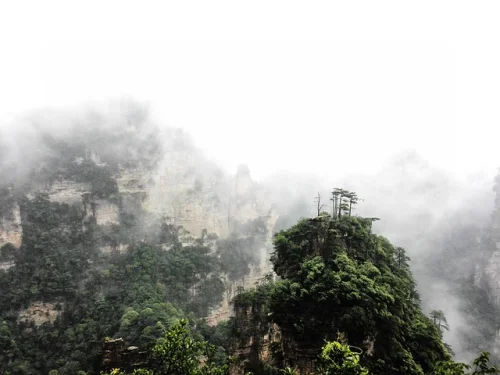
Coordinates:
[103,213]
[338,282]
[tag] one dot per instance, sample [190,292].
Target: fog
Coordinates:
[396,102]
[378,79]
[437,218]
[428,210]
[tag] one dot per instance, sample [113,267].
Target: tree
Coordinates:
[8,346]
[353,200]
[450,368]
[179,353]
[343,201]
[481,366]
[117,371]
[439,320]
[147,325]
[339,196]
[289,371]
[319,206]
[401,257]
[334,199]
[338,359]
[336,275]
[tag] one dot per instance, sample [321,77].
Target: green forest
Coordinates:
[340,299]
[338,283]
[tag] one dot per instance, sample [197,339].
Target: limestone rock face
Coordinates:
[106,212]
[133,180]
[225,310]
[175,183]
[185,188]
[115,355]
[253,345]
[197,195]
[256,339]
[120,248]
[10,228]
[6,265]
[39,312]
[66,191]
[191,192]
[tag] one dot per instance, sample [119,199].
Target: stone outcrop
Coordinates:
[119,248]
[181,186]
[133,180]
[67,191]
[116,355]
[39,313]
[260,342]
[255,336]
[10,228]
[106,212]
[225,310]
[5,265]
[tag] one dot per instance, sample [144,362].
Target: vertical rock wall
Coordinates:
[10,228]
[182,186]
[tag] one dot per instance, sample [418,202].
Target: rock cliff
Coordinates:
[161,175]
[258,342]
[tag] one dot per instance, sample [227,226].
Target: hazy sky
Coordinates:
[321,87]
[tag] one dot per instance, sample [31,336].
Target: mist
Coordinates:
[423,208]
[396,102]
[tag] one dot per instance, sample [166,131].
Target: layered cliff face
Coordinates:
[255,340]
[10,228]
[126,173]
[260,345]
[338,281]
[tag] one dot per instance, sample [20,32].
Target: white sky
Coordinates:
[310,86]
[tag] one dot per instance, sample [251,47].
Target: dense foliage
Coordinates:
[178,353]
[338,278]
[136,294]
[339,359]
[74,282]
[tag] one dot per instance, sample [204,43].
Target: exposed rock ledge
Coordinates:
[39,312]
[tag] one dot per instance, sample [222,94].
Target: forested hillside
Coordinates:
[339,281]
[123,250]
[117,229]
